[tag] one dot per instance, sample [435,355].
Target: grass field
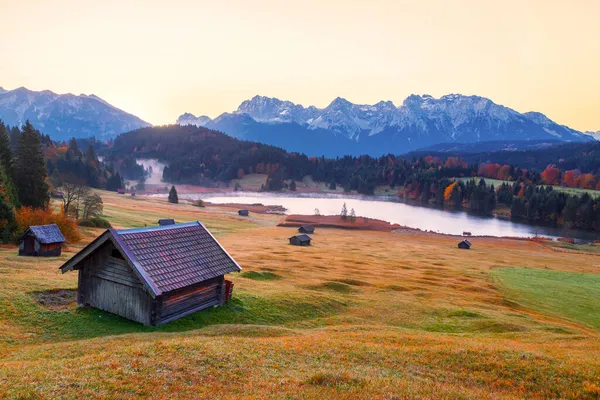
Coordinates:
[572,295]
[573,191]
[359,314]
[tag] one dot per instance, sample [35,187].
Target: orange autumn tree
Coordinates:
[448,191]
[27,216]
[571,178]
[551,175]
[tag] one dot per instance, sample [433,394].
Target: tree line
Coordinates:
[31,165]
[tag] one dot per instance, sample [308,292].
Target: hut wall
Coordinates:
[50,250]
[193,298]
[108,283]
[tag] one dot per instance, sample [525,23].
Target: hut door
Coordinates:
[29,244]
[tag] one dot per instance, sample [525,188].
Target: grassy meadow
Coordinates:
[359,314]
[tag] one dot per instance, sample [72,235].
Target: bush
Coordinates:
[199,203]
[27,216]
[96,222]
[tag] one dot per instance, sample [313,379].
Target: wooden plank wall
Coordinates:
[191,299]
[109,284]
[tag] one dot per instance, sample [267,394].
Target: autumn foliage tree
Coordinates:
[28,216]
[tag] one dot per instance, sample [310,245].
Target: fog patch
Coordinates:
[154,170]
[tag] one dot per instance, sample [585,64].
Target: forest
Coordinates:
[33,168]
[204,157]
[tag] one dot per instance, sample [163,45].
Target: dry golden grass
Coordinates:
[356,315]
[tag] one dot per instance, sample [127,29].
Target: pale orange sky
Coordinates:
[158,59]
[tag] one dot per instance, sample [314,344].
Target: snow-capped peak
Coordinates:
[191,119]
[594,135]
[452,117]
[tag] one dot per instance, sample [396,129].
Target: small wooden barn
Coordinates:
[244,213]
[166,221]
[153,275]
[465,244]
[41,240]
[300,240]
[306,229]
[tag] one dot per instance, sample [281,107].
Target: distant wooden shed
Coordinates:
[306,229]
[465,244]
[41,240]
[166,221]
[121,191]
[300,240]
[153,275]
[243,213]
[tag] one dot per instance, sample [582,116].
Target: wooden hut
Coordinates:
[121,191]
[153,275]
[41,240]
[465,244]
[300,240]
[243,213]
[306,229]
[166,221]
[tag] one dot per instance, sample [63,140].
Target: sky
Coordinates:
[159,59]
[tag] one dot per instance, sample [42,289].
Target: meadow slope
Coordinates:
[360,314]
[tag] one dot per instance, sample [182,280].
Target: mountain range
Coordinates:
[347,128]
[338,129]
[63,116]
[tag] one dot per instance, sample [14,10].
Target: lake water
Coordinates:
[424,218]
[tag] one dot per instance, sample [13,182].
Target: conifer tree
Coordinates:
[6,165]
[7,215]
[173,198]
[344,212]
[30,169]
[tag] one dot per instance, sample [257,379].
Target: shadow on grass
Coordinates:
[50,324]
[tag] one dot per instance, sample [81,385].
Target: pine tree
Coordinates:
[6,165]
[344,212]
[90,156]
[352,215]
[30,169]
[7,215]
[173,198]
[293,185]
[6,157]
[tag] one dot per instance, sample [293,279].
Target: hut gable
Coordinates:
[306,229]
[169,272]
[41,240]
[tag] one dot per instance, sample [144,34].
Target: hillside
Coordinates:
[344,128]
[569,156]
[63,116]
[359,314]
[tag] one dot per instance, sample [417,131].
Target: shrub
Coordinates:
[96,222]
[27,216]
[199,203]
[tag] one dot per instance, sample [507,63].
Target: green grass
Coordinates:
[571,295]
[498,182]
[260,276]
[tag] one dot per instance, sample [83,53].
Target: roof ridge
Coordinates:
[156,228]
